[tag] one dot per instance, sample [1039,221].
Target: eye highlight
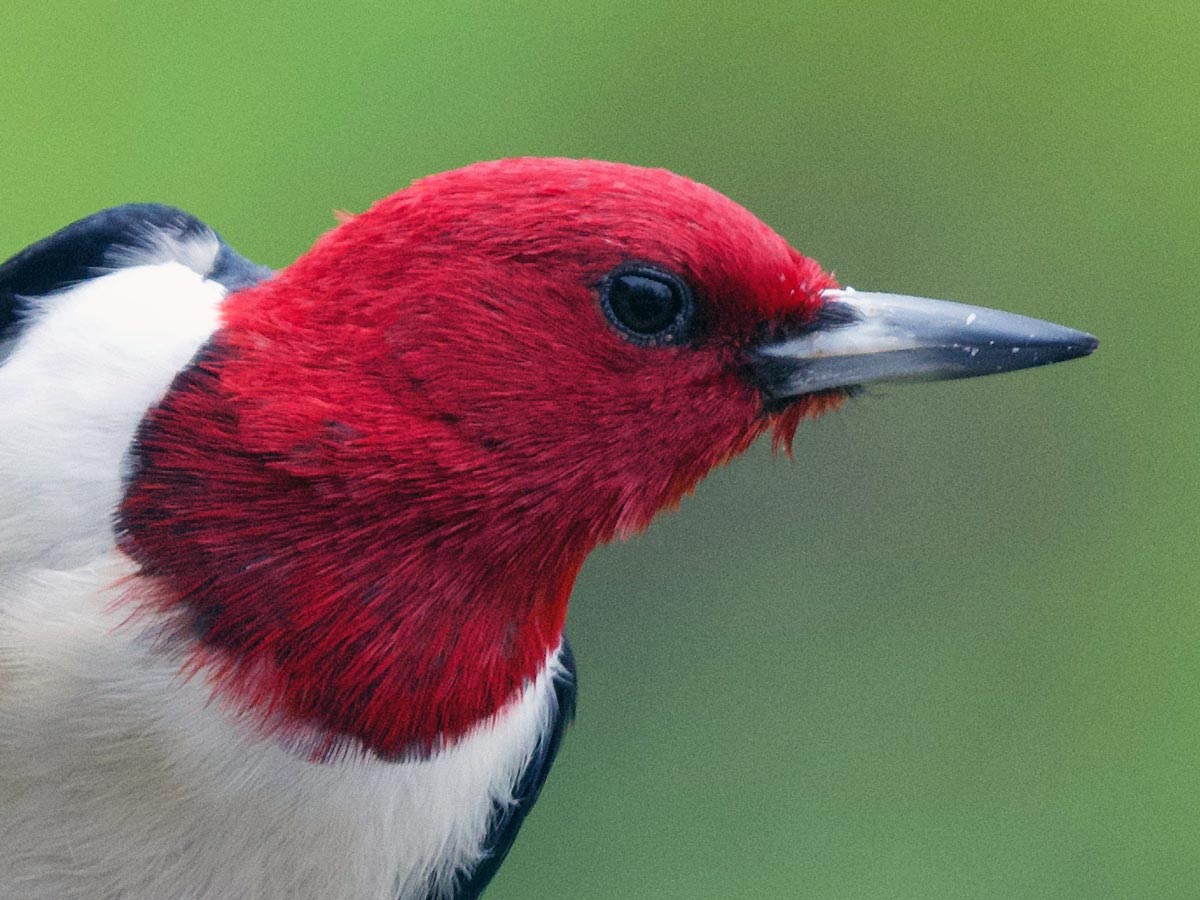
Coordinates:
[647,305]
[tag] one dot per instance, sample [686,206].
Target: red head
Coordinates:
[370,495]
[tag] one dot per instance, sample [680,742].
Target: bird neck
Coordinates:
[393,614]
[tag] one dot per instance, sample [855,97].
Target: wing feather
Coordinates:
[95,321]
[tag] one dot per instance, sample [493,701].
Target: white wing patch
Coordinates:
[196,250]
[72,393]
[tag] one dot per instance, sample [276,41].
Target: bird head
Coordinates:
[383,473]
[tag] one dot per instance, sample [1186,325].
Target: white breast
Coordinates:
[119,781]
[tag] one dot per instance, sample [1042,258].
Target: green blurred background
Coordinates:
[949,652]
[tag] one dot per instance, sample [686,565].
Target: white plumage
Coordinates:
[119,780]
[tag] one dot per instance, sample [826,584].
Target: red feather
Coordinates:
[370,496]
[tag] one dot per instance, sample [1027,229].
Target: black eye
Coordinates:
[647,305]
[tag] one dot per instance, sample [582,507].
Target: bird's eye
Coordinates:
[647,305]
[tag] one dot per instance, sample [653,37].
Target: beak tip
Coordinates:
[1080,344]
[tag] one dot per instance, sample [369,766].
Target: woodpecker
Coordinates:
[285,556]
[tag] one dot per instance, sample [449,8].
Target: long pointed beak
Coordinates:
[860,337]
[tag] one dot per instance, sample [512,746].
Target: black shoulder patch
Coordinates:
[507,820]
[131,235]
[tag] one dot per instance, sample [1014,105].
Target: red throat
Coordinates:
[390,617]
[341,617]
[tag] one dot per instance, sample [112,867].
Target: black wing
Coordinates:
[507,820]
[131,235]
